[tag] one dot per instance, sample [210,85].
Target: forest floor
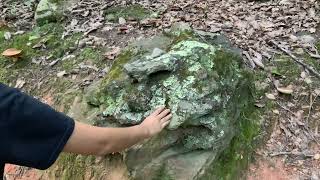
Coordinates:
[78,50]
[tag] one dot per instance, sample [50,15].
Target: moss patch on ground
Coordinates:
[72,166]
[90,55]
[47,37]
[50,47]
[135,11]
[93,55]
[286,69]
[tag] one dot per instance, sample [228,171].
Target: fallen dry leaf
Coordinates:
[3,24]
[317,91]
[312,30]
[285,90]
[303,75]
[252,64]
[61,74]
[19,83]
[270,96]
[275,111]
[111,55]
[257,59]
[259,105]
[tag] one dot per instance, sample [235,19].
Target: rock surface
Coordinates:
[204,86]
[47,11]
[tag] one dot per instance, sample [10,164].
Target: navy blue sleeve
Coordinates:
[31,133]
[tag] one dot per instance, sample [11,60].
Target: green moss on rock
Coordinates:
[234,160]
[48,11]
[162,174]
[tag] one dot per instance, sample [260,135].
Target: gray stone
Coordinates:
[122,20]
[148,45]
[47,11]
[155,53]
[141,69]
[190,110]
[307,39]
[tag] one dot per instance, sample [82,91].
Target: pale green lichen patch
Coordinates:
[185,48]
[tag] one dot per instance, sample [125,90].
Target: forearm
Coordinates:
[92,140]
[118,139]
[87,139]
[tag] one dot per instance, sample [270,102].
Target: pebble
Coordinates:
[122,20]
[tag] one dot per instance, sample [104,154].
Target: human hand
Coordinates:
[156,121]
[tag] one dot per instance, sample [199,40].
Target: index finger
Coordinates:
[158,110]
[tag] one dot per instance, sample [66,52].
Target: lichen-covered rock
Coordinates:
[141,69]
[206,89]
[47,11]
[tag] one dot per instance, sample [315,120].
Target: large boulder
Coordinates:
[200,80]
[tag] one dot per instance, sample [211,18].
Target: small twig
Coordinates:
[54,62]
[310,106]
[311,69]
[291,153]
[89,31]
[305,127]
[308,132]
[313,49]
[316,55]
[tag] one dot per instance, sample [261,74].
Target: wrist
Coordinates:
[144,131]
